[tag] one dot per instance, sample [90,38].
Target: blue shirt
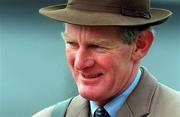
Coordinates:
[115,105]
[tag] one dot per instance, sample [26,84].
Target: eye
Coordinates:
[71,44]
[98,48]
[95,46]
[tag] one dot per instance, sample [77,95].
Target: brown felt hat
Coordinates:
[107,13]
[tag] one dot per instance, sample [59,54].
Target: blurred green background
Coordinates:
[33,69]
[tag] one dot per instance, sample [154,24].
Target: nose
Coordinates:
[83,59]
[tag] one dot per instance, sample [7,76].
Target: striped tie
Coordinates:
[101,112]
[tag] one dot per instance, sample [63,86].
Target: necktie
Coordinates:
[101,112]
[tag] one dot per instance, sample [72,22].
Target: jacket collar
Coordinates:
[137,105]
[139,102]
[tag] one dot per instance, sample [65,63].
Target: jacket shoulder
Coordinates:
[58,109]
[45,112]
[166,102]
[170,96]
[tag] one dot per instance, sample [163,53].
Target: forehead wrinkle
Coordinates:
[99,41]
[94,35]
[83,33]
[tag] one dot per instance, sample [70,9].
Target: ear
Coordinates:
[142,44]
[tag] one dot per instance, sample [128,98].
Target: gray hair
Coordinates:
[129,34]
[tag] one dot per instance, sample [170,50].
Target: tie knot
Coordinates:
[101,112]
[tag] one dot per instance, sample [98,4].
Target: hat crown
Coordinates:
[131,4]
[137,8]
[107,13]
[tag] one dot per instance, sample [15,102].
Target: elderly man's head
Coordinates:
[105,41]
[104,59]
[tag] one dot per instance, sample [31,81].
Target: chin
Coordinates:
[90,94]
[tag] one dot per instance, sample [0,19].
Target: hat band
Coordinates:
[110,8]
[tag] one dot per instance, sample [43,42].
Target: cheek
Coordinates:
[70,56]
[117,70]
[109,65]
[109,61]
[114,65]
[112,71]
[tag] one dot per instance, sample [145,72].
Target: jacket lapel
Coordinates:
[139,102]
[79,107]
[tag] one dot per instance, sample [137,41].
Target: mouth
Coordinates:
[89,76]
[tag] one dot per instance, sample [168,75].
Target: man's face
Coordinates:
[100,63]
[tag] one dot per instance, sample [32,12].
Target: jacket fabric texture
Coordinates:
[149,99]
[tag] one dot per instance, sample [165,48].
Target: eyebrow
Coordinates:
[66,37]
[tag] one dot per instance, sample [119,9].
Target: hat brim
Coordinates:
[92,18]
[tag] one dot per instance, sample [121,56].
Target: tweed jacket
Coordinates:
[149,99]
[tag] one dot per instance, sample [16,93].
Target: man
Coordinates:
[105,42]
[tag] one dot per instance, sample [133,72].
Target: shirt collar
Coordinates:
[115,105]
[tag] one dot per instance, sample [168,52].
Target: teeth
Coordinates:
[92,75]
